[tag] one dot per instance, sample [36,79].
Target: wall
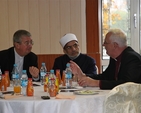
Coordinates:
[47,20]
[93,43]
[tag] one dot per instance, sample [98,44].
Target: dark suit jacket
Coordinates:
[86,63]
[7,59]
[129,71]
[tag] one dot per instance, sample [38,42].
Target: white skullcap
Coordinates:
[67,38]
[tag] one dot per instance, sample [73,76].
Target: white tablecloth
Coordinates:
[81,104]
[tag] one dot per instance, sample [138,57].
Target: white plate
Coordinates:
[78,87]
[85,92]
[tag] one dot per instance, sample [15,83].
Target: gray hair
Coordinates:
[18,34]
[118,36]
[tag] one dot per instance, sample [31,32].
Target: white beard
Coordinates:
[72,58]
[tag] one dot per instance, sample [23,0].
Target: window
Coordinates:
[123,14]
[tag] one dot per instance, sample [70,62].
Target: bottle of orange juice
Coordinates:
[52,85]
[52,88]
[7,78]
[3,83]
[57,84]
[30,90]
[46,83]
[58,75]
[63,78]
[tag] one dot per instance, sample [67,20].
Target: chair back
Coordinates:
[97,71]
[124,98]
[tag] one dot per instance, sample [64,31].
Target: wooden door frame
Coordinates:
[92,31]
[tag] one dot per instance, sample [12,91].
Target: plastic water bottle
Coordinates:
[52,75]
[15,73]
[43,72]
[68,76]
[16,80]
[24,80]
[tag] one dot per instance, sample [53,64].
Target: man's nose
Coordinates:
[73,48]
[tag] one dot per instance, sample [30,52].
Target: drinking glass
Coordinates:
[17,87]
[74,81]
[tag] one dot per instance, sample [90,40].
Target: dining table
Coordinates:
[74,100]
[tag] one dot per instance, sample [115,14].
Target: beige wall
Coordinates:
[47,20]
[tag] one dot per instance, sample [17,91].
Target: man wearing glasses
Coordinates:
[21,55]
[124,64]
[71,49]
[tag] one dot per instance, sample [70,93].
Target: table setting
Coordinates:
[76,99]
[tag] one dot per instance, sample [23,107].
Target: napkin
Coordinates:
[9,96]
[61,96]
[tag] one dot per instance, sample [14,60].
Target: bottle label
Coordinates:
[15,76]
[24,83]
[42,74]
[30,90]
[68,75]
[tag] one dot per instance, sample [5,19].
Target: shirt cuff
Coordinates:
[35,79]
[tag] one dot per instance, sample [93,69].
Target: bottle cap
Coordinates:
[15,65]
[6,71]
[43,64]
[51,71]
[68,65]
[58,70]
[29,78]
[23,71]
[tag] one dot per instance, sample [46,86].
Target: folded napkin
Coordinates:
[9,96]
[61,96]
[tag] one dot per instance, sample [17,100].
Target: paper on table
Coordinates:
[9,96]
[61,96]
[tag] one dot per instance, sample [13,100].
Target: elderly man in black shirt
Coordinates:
[124,65]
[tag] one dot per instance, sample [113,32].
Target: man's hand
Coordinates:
[76,69]
[87,81]
[34,71]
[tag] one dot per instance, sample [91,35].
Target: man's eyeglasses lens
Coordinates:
[27,43]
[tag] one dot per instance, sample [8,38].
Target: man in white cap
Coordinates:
[71,49]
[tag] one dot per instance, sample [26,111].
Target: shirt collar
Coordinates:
[17,55]
[119,57]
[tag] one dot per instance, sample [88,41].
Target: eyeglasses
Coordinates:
[27,43]
[71,47]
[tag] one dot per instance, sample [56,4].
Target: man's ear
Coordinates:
[116,45]
[16,45]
